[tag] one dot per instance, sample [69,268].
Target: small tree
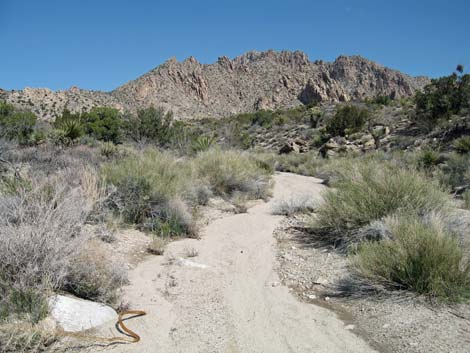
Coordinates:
[443,97]
[348,118]
[150,124]
[15,124]
[103,123]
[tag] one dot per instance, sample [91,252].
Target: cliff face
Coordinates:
[255,80]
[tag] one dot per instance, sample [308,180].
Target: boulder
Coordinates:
[74,315]
[297,146]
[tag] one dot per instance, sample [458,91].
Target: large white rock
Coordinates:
[75,315]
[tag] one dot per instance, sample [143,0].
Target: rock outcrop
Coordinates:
[252,81]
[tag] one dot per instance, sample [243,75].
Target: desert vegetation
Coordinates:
[65,183]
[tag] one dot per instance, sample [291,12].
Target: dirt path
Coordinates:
[228,298]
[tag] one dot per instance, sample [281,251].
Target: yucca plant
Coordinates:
[72,128]
[203,143]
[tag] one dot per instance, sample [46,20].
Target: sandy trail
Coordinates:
[228,299]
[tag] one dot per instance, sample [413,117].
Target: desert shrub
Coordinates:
[228,172]
[262,118]
[27,303]
[16,125]
[91,274]
[466,199]
[348,119]
[298,163]
[428,159]
[420,256]
[108,149]
[157,245]
[462,144]
[368,190]
[150,124]
[38,137]
[380,99]
[145,186]
[23,337]
[103,123]
[40,233]
[455,171]
[235,135]
[174,219]
[57,137]
[288,207]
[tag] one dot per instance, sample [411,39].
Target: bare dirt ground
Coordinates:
[222,293]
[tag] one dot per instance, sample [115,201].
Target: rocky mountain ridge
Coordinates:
[252,81]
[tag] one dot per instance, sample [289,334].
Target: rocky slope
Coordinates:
[252,81]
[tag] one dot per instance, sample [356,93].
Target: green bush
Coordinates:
[103,123]
[228,172]
[462,144]
[16,125]
[368,190]
[442,98]
[421,256]
[150,124]
[348,119]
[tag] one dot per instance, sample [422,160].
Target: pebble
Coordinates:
[349,327]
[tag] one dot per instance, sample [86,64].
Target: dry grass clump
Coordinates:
[229,172]
[421,256]
[299,163]
[157,245]
[289,207]
[93,275]
[148,187]
[369,190]
[455,171]
[22,337]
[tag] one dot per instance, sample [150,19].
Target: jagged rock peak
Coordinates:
[282,57]
[254,80]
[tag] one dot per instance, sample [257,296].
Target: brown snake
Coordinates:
[134,337]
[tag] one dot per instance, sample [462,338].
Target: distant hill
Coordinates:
[252,81]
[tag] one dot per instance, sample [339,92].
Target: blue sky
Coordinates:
[101,44]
